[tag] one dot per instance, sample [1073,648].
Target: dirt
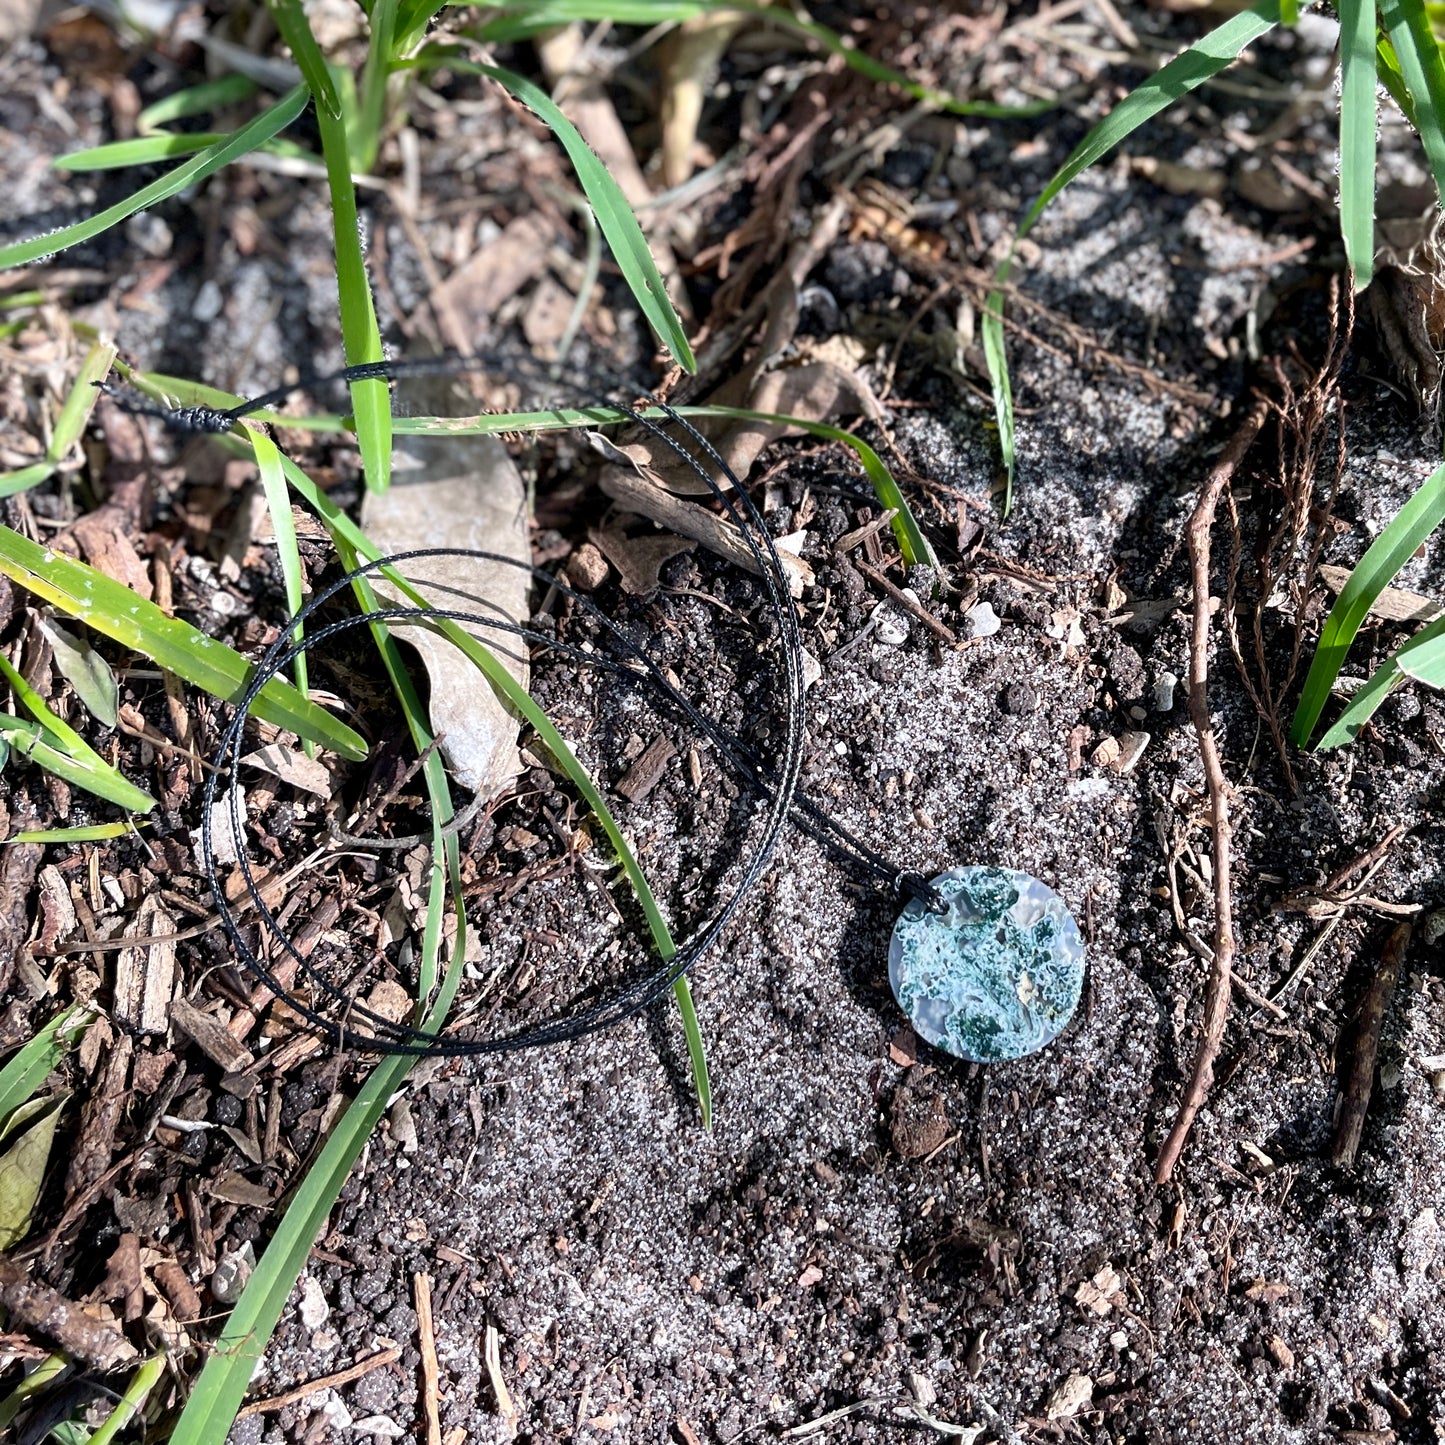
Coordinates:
[872,1232]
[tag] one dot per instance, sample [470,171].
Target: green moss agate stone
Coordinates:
[995,977]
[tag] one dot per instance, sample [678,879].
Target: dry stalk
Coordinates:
[1221,976]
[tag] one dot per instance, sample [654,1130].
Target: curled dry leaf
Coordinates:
[639,560]
[461,492]
[293,767]
[635,491]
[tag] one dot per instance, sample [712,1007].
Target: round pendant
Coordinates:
[995,977]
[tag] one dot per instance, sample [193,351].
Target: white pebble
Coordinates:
[981,620]
[890,624]
[208,302]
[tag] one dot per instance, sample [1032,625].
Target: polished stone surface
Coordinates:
[998,975]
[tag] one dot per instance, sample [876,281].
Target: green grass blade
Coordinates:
[296,32]
[145,1379]
[35,1383]
[142,151]
[370,400]
[31,1065]
[221,1386]
[609,205]
[12,483]
[906,531]
[353,540]
[266,125]
[31,741]
[80,402]
[57,747]
[1423,656]
[1387,67]
[413,18]
[1411,525]
[1357,136]
[1423,71]
[69,425]
[91,833]
[1202,61]
[1289,13]
[696,1051]
[1363,705]
[223,1381]
[116,612]
[912,542]
[61,732]
[278,503]
[1184,73]
[147,150]
[995,355]
[196,100]
[371,113]
[344,530]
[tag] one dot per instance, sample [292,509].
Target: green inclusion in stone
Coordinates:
[995,977]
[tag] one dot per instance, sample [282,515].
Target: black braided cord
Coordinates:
[775,781]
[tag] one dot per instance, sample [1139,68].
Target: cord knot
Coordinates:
[915,887]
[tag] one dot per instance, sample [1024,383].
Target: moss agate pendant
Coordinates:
[995,977]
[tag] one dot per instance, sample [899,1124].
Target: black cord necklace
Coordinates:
[987,962]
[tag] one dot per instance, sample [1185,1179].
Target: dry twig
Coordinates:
[1221,977]
[1356,1099]
[327,1382]
[426,1342]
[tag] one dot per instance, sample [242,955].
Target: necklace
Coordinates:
[986,962]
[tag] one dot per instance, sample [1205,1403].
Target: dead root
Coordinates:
[1221,977]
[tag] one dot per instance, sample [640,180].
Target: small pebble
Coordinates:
[231,1273]
[312,1307]
[1434,929]
[208,303]
[588,568]
[981,620]
[1131,749]
[1163,694]
[1106,754]
[891,624]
